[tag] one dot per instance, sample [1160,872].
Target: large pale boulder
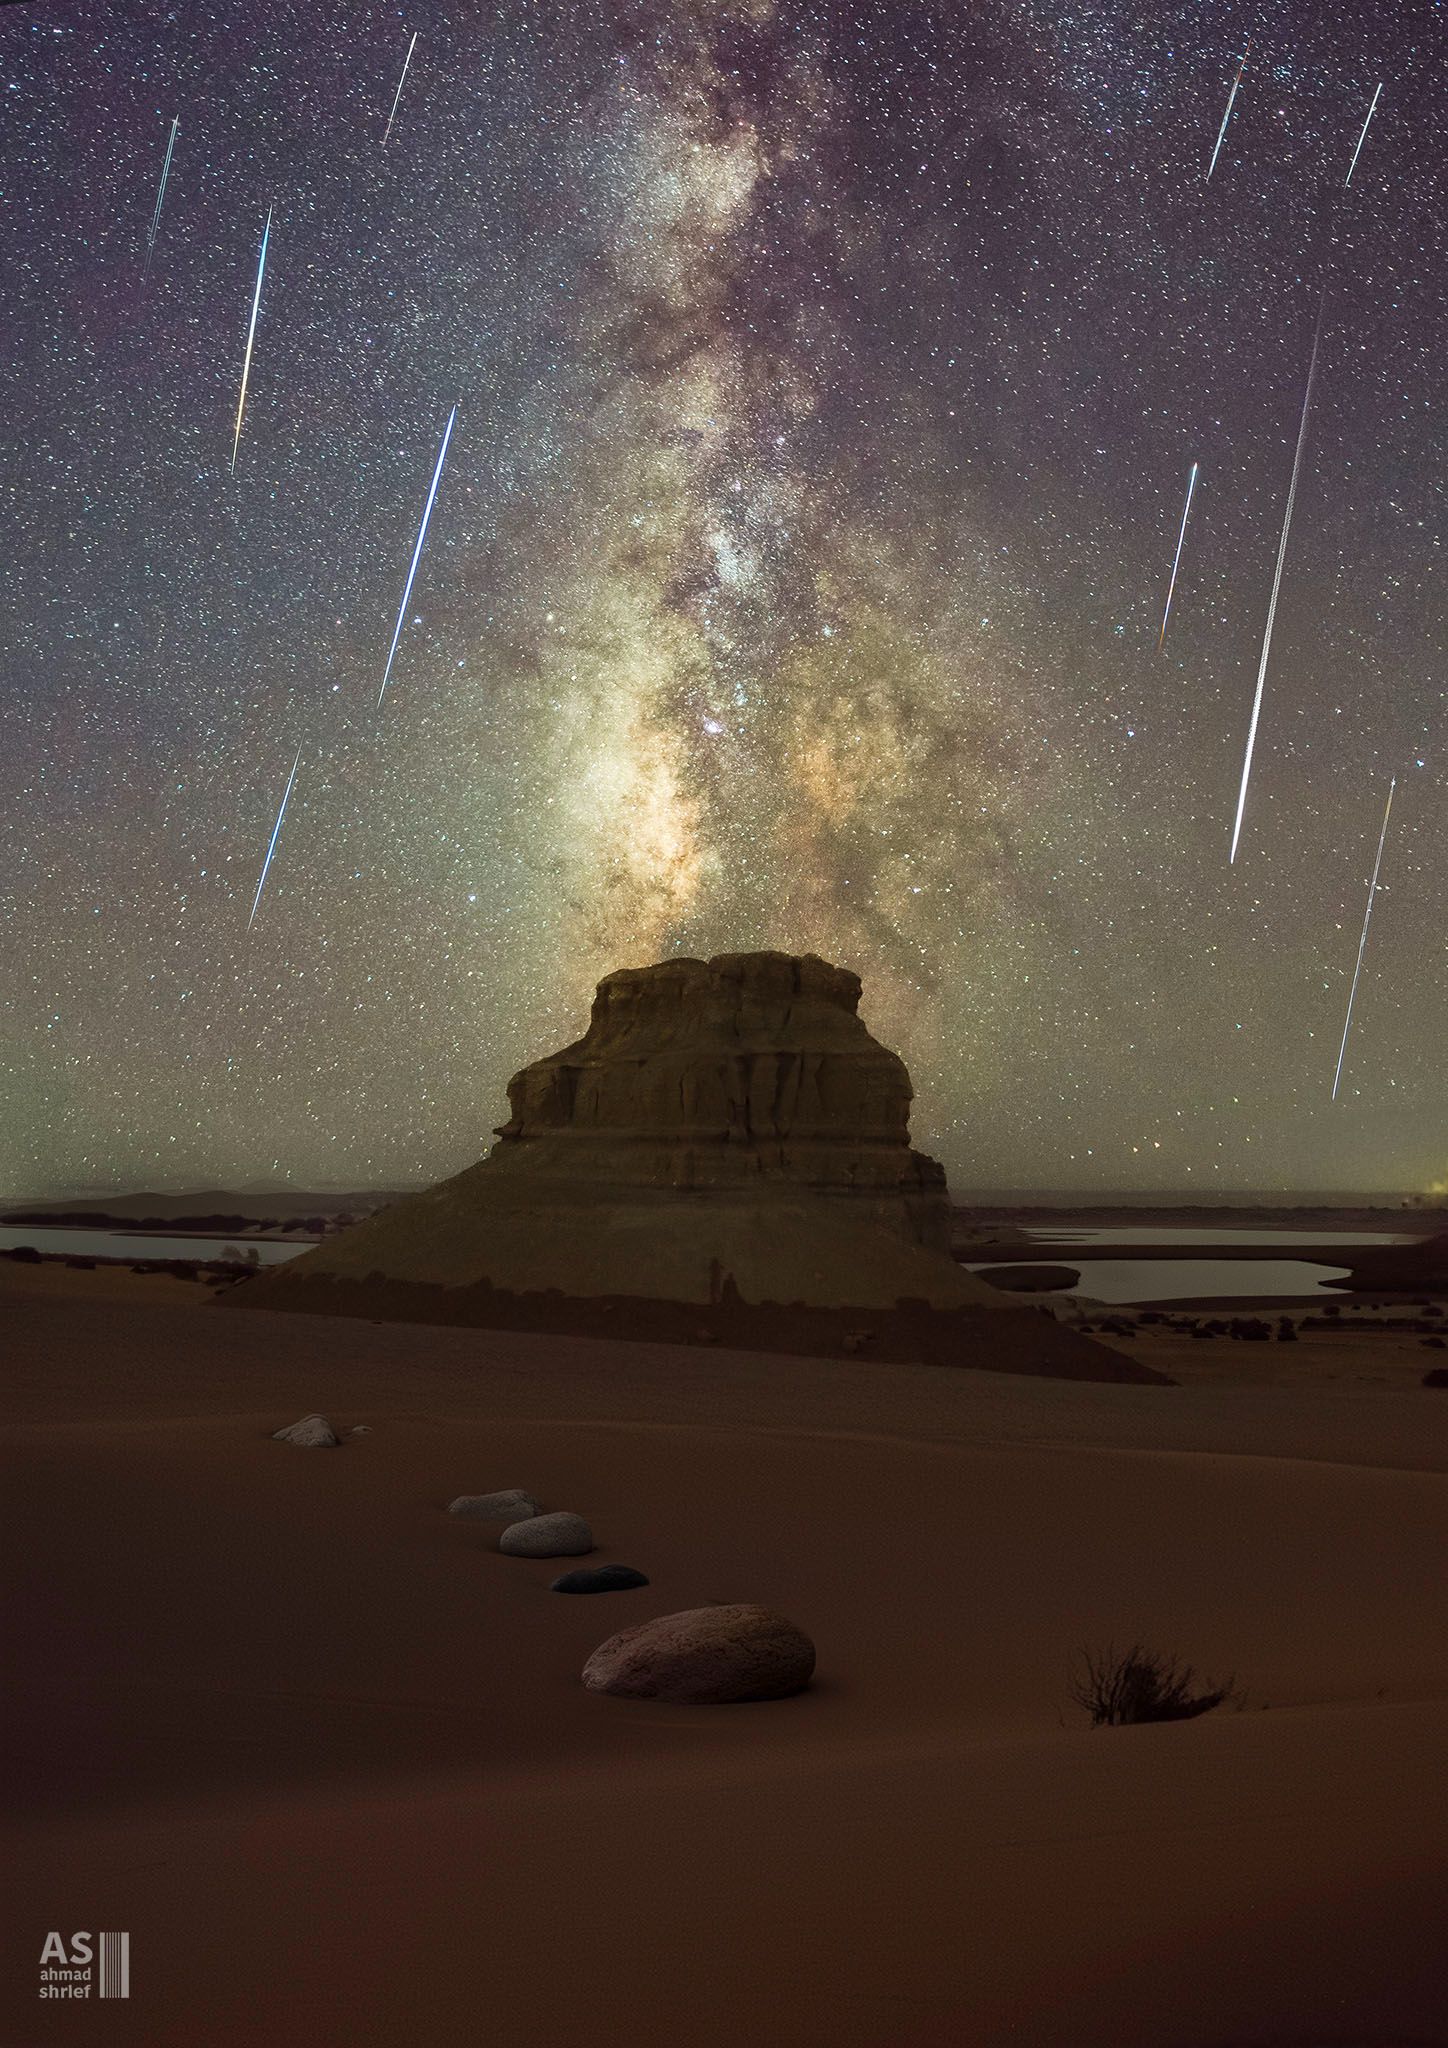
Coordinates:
[312,1433]
[704,1656]
[511,1504]
[547,1536]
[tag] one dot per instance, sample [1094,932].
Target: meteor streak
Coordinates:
[1277,582]
[398,94]
[1231,99]
[1176,564]
[416,555]
[161,195]
[1363,941]
[250,337]
[1362,138]
[276,834]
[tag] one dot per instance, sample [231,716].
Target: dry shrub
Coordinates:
[1119,1689]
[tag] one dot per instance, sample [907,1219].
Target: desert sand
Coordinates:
[326,1755]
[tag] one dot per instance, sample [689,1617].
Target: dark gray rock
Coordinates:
[606,1578]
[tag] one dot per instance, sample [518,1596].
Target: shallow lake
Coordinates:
[1122,1281]
[1129,1233]
[133,1245]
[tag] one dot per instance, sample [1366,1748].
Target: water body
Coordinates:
[1128,1233]
[1123,1281]
[134,1246]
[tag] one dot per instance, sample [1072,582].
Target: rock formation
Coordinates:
[727,1137]
[723,1126]
[1419,1267]
[750,1072]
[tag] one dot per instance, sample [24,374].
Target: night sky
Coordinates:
[828,377]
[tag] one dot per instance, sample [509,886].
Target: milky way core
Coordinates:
[825,374]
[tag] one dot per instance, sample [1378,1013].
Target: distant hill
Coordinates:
[254,1205]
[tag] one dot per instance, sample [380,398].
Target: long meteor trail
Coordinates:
[398,94]
[1363,941]
[276,835]
[1277,583]
[1176,563]
[1362,138]
[416,554]
[161,194]
[1231,101]
[250,337]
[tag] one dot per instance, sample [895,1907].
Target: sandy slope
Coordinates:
[325,1754]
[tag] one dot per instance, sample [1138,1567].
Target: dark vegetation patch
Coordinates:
[1120,1689]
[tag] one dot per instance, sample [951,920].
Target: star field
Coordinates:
[828,377]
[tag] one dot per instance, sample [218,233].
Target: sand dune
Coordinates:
[326,1755]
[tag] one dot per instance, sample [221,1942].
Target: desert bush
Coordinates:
[1119,1689]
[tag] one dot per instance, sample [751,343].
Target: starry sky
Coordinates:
[828,375]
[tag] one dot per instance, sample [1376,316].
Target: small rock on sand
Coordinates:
[547,1536]
[705,1656]
[606,1578]
[313,1433]
[510,1505]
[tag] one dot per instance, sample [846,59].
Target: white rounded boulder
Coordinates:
[312,1433]
[547,1536]
[704,1656]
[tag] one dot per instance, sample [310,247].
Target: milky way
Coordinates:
[825,378]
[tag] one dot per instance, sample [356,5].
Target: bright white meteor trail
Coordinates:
[398,94]
[161,195]
[276,835]
[1176,564]
[250,337]
[1277,583]
[1231,101]
[1363,941]
[1362,138]
[416,554]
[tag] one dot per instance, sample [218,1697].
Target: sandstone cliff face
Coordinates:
[749,1070]
[725,1130]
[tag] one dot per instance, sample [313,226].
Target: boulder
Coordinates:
[704,1656]
[312,1433]
[510,1505]
[547,1536]
[605,1578]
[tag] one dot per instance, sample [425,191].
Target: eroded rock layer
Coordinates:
[726,1140]
[737,1072]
